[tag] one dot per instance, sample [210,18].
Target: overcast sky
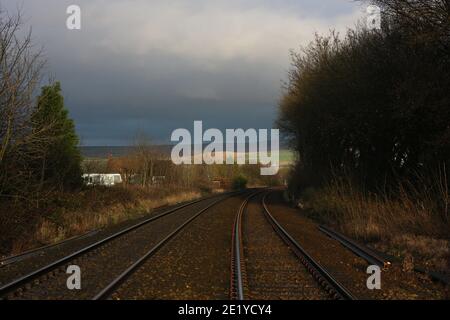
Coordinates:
[158,65]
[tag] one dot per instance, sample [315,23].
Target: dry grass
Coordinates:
[429,252]
[75,223]
[79,213]
[414,221]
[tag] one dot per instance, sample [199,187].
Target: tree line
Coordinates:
[373,104]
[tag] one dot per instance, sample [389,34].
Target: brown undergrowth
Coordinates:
[415,222]
[64,215]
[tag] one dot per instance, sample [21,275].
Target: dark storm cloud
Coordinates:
[155,66]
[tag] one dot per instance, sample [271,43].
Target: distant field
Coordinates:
[286,156]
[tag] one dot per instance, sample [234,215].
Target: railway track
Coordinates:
[107,292]
[238,272]
[32,252]
[374,258]
[295,273]
[25,282]
[364,252]
[239,289]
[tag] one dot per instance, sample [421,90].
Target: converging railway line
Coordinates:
[116,282]
[102,261]
[193,265]
[244,245]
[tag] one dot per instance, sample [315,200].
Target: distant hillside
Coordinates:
[116,151]
[286,155]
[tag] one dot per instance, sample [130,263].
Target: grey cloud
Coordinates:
[160,65]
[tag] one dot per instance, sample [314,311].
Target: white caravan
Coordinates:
[102,179]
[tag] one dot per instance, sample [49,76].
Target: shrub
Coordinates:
[239,182]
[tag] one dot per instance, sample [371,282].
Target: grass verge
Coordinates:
[66,215]
[415,223]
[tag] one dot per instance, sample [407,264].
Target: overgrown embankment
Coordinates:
[63,215]
[412,223]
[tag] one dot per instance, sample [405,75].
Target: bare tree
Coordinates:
[425,19]
[20,69]
[147,155]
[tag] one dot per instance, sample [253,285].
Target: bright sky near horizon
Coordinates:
[154,66]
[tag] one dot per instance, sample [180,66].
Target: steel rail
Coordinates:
[374,258]
[238,273]
[364,252]
[112,286]
[21,281]
[20,256]
[332,285]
